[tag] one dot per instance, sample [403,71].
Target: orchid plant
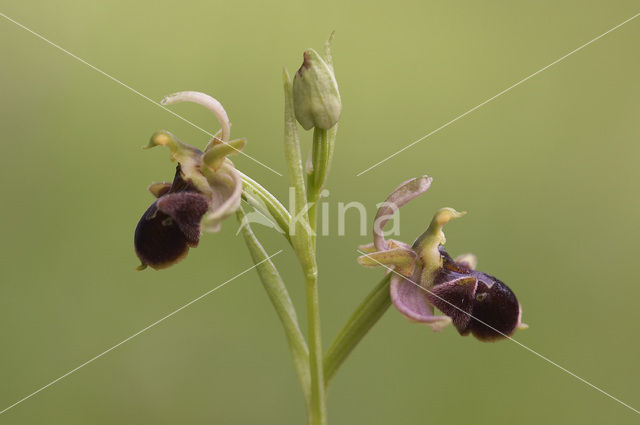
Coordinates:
[419,278]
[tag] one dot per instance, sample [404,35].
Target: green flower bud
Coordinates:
[316,99]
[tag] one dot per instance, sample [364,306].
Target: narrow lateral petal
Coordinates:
[217,153]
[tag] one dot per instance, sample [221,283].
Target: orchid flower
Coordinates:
[424,276]
[205,190]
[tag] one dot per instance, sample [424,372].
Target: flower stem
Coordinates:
[318,392]
[303,241]
[361,321]
[282,303]
[318,413]
[321,160]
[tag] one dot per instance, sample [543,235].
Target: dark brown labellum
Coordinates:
[455,298]
[170,225]
[496,311]
[477,303]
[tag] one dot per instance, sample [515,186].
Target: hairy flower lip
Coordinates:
[171,225]
[496,311]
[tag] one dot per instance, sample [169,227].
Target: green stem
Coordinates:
[323,142]
[361,321]
[318,394]
[282,303]
[321,160]
[303,242]
[318,391]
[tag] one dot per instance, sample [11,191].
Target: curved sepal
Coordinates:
[401,195]
[208,102]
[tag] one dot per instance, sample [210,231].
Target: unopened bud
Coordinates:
[316,99]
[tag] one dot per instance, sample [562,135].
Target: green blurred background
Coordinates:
[548,173]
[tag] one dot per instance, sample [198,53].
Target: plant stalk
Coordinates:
[318,393]
[303,241]
[318,412]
